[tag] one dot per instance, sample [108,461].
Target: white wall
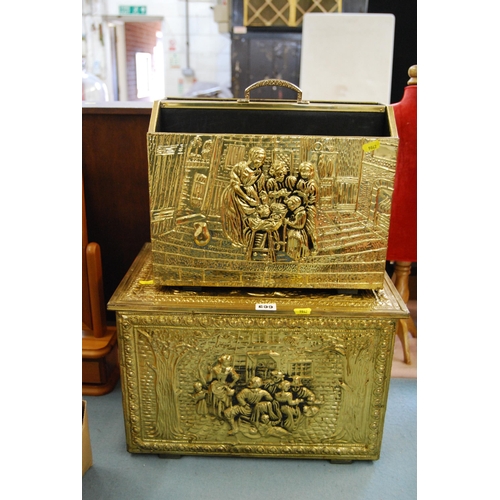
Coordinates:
[209,50]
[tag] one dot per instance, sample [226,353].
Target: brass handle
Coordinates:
[272,83]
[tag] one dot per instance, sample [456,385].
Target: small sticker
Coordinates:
[371,146]
[146,282]
[302,310]
[265,307]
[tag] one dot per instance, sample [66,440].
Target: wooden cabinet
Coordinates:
[115,175]
[115,227]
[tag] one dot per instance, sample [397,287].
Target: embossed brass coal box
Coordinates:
[254,372]
[270,194]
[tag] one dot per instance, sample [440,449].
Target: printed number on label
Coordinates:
[302,310]
[265,307]
[371,146]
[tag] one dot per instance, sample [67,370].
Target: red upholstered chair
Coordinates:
[402,245]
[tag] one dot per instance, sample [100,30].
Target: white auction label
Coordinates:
[265,307]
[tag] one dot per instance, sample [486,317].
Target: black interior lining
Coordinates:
[273,122]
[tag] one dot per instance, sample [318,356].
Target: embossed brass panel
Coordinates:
[255,373]
[272,194]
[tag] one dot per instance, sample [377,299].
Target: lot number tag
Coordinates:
[265,307]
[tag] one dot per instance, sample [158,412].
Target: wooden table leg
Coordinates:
[400,278]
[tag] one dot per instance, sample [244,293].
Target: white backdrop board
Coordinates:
[347,57]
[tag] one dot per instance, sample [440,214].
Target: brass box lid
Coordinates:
[138,292]
[270,194]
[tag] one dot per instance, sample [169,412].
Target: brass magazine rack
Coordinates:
[274,194]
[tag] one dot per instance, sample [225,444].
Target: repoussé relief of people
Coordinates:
[279,185]
[242,197]
[306,184]
[295,227]
[280,402]
[199,395]
[222,378]
[253,402]
[266,212]
[288,405]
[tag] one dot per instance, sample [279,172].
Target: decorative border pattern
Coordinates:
[130,322]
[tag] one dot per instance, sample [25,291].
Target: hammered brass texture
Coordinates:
[270,211]
[296,374]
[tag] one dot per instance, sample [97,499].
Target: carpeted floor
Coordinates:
[119,475]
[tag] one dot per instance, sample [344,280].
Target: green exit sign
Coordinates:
[133,10]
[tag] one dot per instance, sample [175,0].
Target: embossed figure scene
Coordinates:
[311,206]
[270,213]
[207,391]
[269,404]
